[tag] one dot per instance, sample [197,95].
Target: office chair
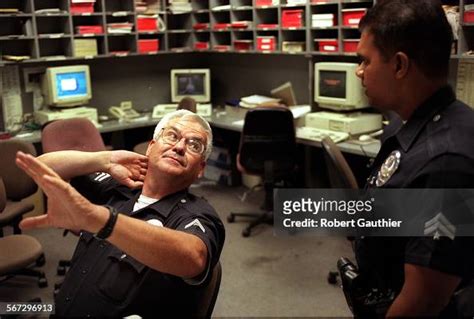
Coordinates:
[78,134]
[340,176]
[19,252]
[340,173]
[186,103]
[18,184]
[209,297]
[267,148]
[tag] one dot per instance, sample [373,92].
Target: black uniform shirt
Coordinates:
[104,281]
[436,147]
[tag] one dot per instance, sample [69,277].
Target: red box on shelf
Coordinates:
[201,45]
[201,26]
[326,45]
[82,8]
[147,24]
[221,47]
[267,26]
[292,18]
[148,45]
[221,26]
[89,29]
[266,43]
[259,3]
[351,17]
[243,45]
[350,45]
[469,16]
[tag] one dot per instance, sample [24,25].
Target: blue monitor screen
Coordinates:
[190,84]
[71,84]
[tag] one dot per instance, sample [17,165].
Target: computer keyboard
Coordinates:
[316,134]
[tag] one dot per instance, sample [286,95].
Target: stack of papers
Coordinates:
[257,100]
[121,27]
[147,6]
[15,58]
[180,6]
[9,10]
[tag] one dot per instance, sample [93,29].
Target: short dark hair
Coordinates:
[418,28]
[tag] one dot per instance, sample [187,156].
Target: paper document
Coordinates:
[299,110]
[257,100]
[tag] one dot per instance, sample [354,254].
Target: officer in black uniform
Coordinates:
[405,50]
[148,250]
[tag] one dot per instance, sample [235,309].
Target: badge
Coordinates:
[388,168]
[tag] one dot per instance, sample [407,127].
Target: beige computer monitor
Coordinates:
[67,86]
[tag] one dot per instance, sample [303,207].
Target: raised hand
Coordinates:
[128,168]
[66,207]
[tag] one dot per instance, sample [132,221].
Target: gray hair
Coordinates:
[185,114]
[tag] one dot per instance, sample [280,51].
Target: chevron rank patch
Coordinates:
[196,223]
[100,177]
[440,226]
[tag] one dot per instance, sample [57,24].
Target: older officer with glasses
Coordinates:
[147,246]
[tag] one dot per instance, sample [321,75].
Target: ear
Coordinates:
[150,145]
[201,169]
[401,65]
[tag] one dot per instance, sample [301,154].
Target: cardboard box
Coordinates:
[350,45]
[260,3]
[82,6]
[468,13]
[147,24]
[200,45]
[326,45]
[148,45]
[323,20]
[351,17]
[293,46]
[266,43]
[85,47]
[243,45]
[292,18]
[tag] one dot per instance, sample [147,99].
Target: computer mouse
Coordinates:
[365,138]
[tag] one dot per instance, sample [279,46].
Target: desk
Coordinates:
[105,127]
[218,119]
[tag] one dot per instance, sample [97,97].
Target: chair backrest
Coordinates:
[187,103]
[268,136]
[340,173]
[3,196]
[18,184]
[78,134]
[209,297]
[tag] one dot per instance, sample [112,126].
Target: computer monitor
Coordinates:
[67,86]
[195,83]
[337,87]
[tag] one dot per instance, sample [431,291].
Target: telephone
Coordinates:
[161,110]
[124,112]
[204,110]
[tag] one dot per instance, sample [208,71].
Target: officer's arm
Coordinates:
[166,250]
[126,167]
[69,164]
[425,292]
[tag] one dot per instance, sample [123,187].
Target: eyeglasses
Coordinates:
[172,136]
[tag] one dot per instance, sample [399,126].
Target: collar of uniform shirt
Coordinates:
[424,113]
